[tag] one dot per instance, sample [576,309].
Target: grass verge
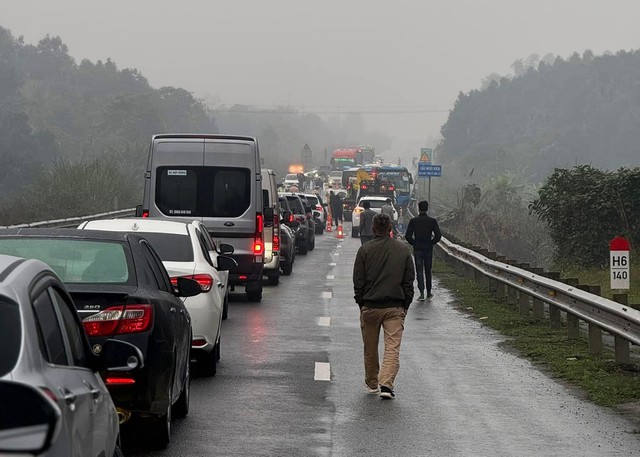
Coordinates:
[600,276]
[602,380]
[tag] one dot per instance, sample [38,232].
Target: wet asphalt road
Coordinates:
[458,392]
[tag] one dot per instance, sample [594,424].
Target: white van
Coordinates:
[215,179]
[271,227]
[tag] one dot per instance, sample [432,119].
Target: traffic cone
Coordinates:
[329,227]
[340,233]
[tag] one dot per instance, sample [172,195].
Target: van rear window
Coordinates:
[203,191]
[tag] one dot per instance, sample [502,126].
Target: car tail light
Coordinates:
[117,320]
[198,342]
[319,207]
[242,277]
[363,187]
[291,218]
[145,213]
[392,188]
[119,381]
[276,242]
[258,242]
[359,210]
[49,393]
[204,280]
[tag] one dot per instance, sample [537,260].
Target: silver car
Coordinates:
[53,399]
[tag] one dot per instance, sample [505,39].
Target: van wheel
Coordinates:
[254,292]
[181,407]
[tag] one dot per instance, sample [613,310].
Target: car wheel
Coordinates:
[208,363]
[160,429]
[254,293]
[274,278]
[225,306]
[303,249]
[286,268]
[181,407]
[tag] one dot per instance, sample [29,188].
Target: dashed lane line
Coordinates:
[324,321]
[322,371]
[331,277]
[326,294]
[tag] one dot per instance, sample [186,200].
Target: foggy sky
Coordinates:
[331,55]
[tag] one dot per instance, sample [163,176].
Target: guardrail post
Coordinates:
[501,289]
[622,345]
[538,305]
[595,332]
[492,283]
[573,323]
[523,303]
[555,318]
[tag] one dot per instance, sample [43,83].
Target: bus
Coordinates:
[368,154]
[399,176]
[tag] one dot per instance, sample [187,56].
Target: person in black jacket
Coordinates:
[423,233]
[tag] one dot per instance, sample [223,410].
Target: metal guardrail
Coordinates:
[533,291]
[72,222]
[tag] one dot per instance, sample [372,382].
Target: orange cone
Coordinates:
[340,233]
[329,227]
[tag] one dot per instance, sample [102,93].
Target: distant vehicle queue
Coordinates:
[126,310]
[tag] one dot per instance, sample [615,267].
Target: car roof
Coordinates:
[139,225]
[66,233]
[374,197]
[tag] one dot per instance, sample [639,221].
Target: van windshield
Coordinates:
[203,191]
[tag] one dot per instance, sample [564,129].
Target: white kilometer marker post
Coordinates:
[322,372]
[326,295]
[324,321]
[619,263]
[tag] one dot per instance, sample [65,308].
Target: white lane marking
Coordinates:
[339,246]
[331,277]
[322,371]
[324,321]
[326,295]
[333,264]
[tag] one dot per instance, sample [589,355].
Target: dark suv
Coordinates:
[301,213]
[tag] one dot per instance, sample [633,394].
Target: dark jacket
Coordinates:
[366,222]
[419,232]
[383,274]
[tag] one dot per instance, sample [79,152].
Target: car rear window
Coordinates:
[295,204]
[171,247]
[10,336]
[374,203]
[76,260]
[313,201]
[203,191]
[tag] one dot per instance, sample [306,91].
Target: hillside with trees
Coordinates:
[553,113]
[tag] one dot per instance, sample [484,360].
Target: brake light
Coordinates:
[119,381]
[291,218]
[258,242]
[276,242]
[392,188]
[319,207]
[145,213]
[364,187]
[242,277]
[204,280]
[119,320]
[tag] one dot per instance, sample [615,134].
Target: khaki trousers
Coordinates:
[392,322]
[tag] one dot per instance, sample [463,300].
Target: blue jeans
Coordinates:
[423,268]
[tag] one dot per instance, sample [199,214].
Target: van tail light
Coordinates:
[276,242]
[204,280]
[145,213]
[258,242]
[117,320]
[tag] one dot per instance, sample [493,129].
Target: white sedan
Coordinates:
[376,206]
[187,250]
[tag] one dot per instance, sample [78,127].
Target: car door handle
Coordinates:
[172,309]
[95,393]
[69,399]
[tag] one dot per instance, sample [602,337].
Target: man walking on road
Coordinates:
[423,233]
[383,277]
[366,223]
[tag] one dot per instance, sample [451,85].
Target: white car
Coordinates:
[376,206]
[187,250]
[290,180]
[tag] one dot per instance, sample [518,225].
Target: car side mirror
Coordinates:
[29,420]
[118,355]
[187,288]
[225,263]
[268,214]
[224,248]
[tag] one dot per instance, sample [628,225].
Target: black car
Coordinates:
[123,292]
[301,220]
